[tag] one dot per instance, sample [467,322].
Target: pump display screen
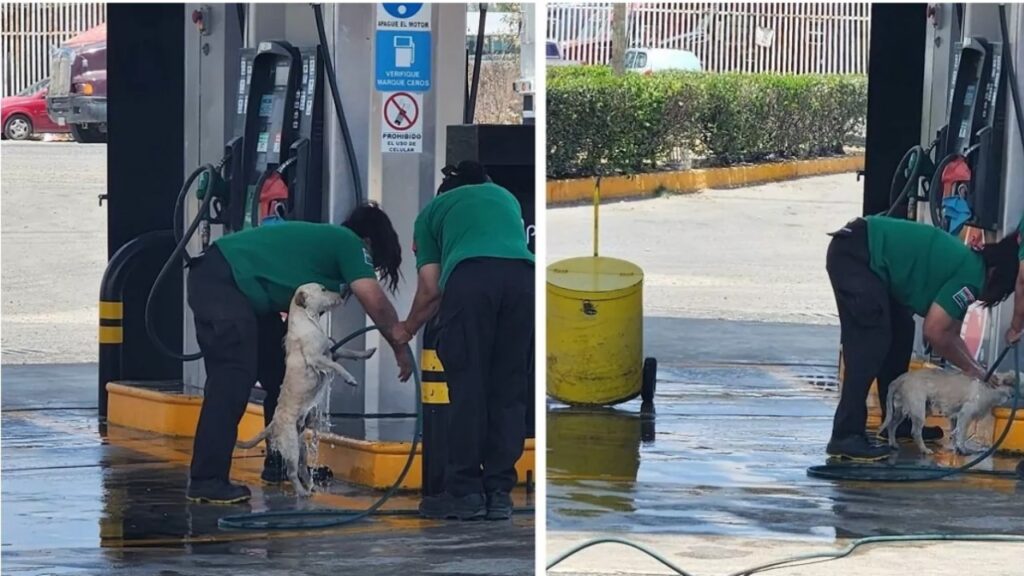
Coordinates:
[272,115]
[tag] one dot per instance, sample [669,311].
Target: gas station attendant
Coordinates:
[238,290]
[477,273]
[883,272]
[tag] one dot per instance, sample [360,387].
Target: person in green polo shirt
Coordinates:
[883,272]
[477,273]
[238,290]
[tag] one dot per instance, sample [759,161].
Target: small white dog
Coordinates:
[953,394]
[309,368]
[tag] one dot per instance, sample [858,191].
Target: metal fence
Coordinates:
[785,38]
[31,29]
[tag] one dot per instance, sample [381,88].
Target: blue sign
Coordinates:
[403,60]
[402,9]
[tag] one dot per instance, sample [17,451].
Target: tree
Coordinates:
[619,38]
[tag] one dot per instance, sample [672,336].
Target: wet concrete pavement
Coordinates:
[742,409]
[83,498]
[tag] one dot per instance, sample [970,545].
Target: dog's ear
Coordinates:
[300,299]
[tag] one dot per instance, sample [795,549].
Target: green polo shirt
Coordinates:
[922,264]
[1020,239]
[477,221]
[270,262]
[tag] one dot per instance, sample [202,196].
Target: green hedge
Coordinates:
[600,123]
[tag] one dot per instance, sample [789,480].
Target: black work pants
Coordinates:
[485,342]
[877,332]
[239,347]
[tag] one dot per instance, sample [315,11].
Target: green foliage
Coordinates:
[599,123]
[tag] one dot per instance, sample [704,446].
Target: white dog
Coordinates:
[953,394]
[309,368]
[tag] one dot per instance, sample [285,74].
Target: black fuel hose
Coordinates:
[1011,72]
[332,80]
[913,161]
[478,55]
[179,253]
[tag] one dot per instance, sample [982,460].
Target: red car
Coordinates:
[25,114]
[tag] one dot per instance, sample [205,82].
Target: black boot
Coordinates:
[216,491]
[929,433]
[444,506]
[499,505]
[857,448]
[273,468]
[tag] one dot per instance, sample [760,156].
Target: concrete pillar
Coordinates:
[211,73]
[1013,151]
[401,183]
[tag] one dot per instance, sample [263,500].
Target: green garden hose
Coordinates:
[801,559]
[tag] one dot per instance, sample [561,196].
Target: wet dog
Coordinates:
[309,368]
[961,398]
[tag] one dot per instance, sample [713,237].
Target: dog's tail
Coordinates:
[890,423]
[256,440]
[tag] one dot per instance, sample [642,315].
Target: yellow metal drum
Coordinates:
[595,331]
[1014,442]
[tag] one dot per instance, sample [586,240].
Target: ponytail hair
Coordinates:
[369,222]
[465,174]
[1001,267]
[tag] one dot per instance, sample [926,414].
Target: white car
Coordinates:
[554,55]
[650,60]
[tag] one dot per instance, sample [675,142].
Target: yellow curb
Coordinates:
[362,462]
[640,185]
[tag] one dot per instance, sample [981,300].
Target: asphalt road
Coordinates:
[54,250]
[748,254]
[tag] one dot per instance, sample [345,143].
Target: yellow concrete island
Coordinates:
[595,331]
[366,463]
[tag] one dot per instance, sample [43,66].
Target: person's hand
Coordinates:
[400,335]
[975,242]
[1013,335]
[405,363]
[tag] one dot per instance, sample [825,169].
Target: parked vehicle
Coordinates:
[554,55]
[650,60]
[24,114]
[77,96]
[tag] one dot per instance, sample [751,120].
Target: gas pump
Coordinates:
[276,152]
[271,169]
[959,171]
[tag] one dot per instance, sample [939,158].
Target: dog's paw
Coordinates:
[969,448]
[927,450]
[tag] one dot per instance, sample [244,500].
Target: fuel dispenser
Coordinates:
[958,174]
[278,144]
[272,167]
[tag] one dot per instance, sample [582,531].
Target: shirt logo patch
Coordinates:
[964,298]
[367,258]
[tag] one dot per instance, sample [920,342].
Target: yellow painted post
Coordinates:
[597,211]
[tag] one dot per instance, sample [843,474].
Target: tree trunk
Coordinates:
[619,38]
